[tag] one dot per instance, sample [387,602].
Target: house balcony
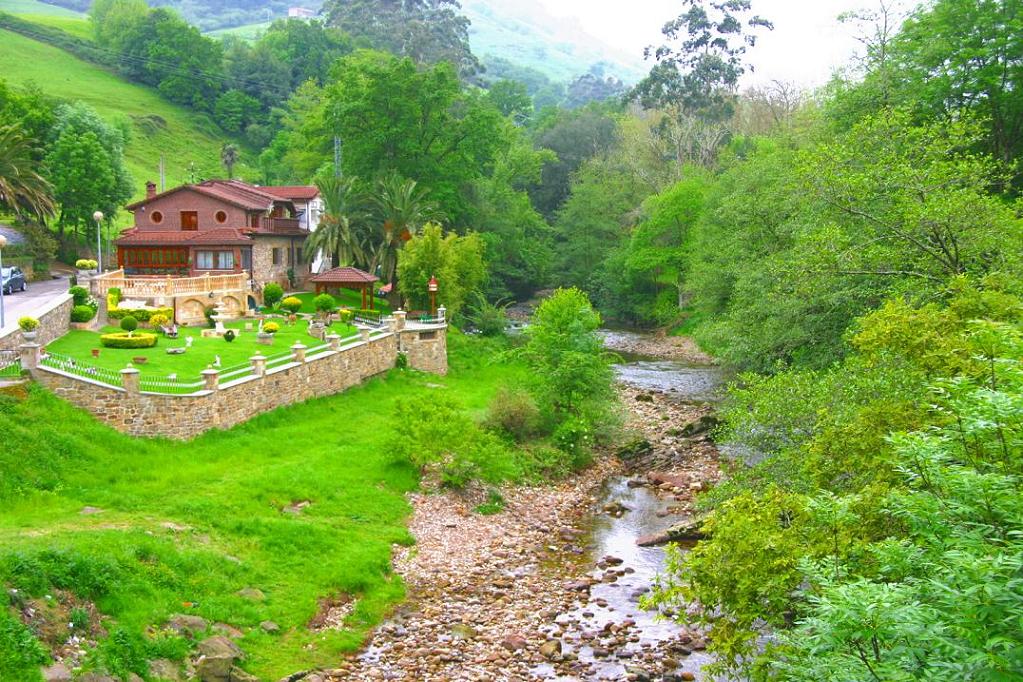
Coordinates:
[282,225]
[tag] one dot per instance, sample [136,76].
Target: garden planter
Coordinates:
[265,339]
[29,337]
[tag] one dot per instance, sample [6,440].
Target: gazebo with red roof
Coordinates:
[346,278]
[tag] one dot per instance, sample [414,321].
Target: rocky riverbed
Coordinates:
[548,589]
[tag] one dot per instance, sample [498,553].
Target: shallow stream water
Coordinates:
[616,536]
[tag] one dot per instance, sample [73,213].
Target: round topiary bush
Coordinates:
[79,294]
[123,340]
[86,264]
[271,328]
[272,294]
[324,303]
[229,335]
[82,313]
[129,324]
[291,304]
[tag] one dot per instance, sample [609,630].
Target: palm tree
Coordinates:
[402,208]
[341,234]
[229,157]
[22,189]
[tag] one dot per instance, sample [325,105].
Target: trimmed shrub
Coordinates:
[229,335]
[324,303]
[122,340]
[345,316]
[115,294]
[28,324]
[272,294]
[513,412]
[129,324]
[366,312]
[79,294]
[82,313]
[271,327]
[140,314]
[291,304]
[159,320]
[86,264]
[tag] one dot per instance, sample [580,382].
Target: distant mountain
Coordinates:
[522,31]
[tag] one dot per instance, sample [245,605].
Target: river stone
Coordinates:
[239,675]
[164,670]
[187,625]
[514,642]
[218,655]
[551,650]
[96,677]
[269,627]
[57,672]
[463,631]
[699,426]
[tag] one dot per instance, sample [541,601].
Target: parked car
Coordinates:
[13,279]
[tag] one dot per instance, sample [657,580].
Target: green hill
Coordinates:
[158,128]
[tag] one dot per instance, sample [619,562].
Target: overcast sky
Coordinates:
[807,43]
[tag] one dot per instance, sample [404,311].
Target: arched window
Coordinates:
[156,217]
[221,217]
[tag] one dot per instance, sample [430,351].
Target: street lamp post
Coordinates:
[432,286]
[3,243]
[98,217]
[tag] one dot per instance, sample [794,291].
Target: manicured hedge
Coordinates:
[122,340]
[140,314]
[82,313]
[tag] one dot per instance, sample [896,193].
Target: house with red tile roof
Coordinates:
[220,227]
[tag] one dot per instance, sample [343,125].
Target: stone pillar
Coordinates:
[399,320]
[335,341]
[212,378]
[441,313]
[130,380]
[30,355]
[364,333]
[258,365]
[299,350]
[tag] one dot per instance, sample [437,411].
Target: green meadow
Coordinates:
[183,527]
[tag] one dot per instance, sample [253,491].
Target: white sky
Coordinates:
[807,42]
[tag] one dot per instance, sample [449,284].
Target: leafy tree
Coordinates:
[573,377]
[427,31]
[393,116]
[342,235]
[235,110]
[456,262]
[23,190]
[700,74]
[112,20]
[85,163]
[308,48]
[511,99]
[593,87]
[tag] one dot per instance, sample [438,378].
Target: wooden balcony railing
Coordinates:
[149,287]
[282,224]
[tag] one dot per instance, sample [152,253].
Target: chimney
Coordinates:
[150,189]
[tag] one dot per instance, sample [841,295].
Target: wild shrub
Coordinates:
[513,412]
[490,319]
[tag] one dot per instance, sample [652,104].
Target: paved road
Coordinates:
[39,294]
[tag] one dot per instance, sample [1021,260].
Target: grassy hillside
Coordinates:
[184,527]
[158,127]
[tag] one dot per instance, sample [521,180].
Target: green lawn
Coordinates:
[345,298]
[79,344]
[158,127]
[245,31]
[185,526]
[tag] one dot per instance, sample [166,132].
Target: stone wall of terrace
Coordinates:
[304,375]
[54,322]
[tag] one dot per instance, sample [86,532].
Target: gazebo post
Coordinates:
[363,288]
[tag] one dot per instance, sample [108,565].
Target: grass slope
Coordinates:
[184,527]
[158,127]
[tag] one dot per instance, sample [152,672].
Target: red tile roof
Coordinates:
[233,192]
[344,275]
[136,236]
[302,192]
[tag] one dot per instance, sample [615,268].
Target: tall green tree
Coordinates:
[427,31]
[402,208]
[457,262]
[85,163]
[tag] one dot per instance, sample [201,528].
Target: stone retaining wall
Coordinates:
[54,322]
[225,405]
